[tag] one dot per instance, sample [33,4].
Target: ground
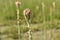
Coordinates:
[49,34]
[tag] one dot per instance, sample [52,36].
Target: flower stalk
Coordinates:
[43,7]
[27,16]
[17,6]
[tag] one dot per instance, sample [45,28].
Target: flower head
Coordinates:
[27,13]
[18,3]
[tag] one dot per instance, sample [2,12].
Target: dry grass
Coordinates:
[49,34]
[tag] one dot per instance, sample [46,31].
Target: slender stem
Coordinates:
[53,4]
[53,7]
[29,32]
[26,20]
[43,6]
[51,20]
[43,14]
[0,36]
[50,14]
[18,23]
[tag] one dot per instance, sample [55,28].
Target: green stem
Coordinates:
[43,7]
[18,23]
[29,32]
[51,14]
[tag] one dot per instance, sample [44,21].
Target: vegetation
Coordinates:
[8,18]
[8,11]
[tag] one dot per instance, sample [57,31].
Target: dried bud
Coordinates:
[18,3]
[27,13]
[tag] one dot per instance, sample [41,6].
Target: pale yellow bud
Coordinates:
[53,4]
[43,5]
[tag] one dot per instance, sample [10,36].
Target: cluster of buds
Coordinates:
[18,3]
[27,13]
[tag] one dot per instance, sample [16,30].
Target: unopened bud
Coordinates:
[18,3]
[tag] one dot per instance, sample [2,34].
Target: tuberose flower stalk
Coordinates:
[17,6]
[27,15]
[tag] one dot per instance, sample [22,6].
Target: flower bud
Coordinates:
[27,13]
[18,3]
